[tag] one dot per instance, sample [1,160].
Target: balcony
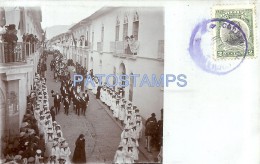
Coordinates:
[16,52]
[117,48]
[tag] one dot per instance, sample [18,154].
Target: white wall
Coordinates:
[215,119]
[149,100]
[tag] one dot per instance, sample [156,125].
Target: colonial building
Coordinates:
[98,42]
[17,73]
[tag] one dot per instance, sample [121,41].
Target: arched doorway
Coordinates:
[131,87]
[122,71]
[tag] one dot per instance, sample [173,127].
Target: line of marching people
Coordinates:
[70,96]
[129,116]
[38,129]
[48,126]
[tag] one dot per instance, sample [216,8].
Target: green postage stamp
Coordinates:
[229,42]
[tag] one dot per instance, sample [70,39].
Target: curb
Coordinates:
[141,150]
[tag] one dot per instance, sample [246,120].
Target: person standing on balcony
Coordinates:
[134,45]
[127,45]
[11,39]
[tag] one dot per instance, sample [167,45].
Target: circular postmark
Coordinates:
[232,35]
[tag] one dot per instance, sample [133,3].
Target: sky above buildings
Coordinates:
[65,14]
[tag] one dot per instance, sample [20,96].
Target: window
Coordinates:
[117,32]
[125,27]
[117,29]
[102,33]
[136,25]
[135,29]
[125,30]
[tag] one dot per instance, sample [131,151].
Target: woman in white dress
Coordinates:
[122,113]
[55,150]
[134,143]
[116,109]
[129,157]
[119,157]
[65,152]
[139,129]
[94,90]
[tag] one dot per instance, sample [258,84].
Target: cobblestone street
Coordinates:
[101,132]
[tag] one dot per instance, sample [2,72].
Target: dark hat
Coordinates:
[153,114]
[81,135]
[11,27]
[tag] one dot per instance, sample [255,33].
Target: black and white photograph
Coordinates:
[81,84]
[129,81]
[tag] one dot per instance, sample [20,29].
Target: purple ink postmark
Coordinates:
[202,43]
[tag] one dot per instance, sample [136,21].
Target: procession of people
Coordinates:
[122,110]
[40,128]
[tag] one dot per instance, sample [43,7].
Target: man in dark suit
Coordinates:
[150,130]
[66,104]
[84,104]
[57,101]
[78,104]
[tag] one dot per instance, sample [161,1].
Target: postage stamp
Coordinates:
[229,42]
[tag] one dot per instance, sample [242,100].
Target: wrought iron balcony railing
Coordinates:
[16,52]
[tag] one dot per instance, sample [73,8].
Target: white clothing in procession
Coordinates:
[102,94]
[125,134]
[55,151]
[129,157]
[65,153]
[119,157]
[109,99]
[78,89]
[134,143]
[122,113]
[37,159]
[94,90]
[139,128]
[116,111]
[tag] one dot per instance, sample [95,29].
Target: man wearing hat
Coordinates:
[57,101]
[66,105]
[150,130]
[11,39]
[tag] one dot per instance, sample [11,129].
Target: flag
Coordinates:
[2,17]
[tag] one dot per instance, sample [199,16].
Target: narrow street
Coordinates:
[101,133]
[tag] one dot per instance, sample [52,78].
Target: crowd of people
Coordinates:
[59,67]
[39,126]
[37,129]
[13,51]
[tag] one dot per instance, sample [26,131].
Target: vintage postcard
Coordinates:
[174,82]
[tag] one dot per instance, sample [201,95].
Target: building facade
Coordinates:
[17,75]
[98,42]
